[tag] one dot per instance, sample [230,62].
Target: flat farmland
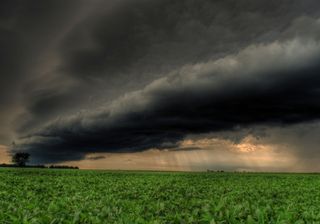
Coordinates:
[82,196]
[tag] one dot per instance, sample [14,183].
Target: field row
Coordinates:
[77,196]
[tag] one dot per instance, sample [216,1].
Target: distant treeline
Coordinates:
[62,167]
[40,166]
[216,171]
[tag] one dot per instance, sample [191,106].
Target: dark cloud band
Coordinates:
[124,76]
[238,90]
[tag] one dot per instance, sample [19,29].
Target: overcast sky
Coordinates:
[162,84]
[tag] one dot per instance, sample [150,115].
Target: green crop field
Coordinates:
[79,196]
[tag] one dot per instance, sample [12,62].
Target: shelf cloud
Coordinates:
[80,77]
[274,84]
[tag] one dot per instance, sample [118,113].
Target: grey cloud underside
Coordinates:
[132,69]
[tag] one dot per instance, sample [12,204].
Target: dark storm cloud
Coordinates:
[119,76]
[27,31]
[137,37]
[238,90]
[25,27]
[44,104]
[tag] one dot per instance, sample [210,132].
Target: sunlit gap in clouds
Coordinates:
[199,155]
[249,154]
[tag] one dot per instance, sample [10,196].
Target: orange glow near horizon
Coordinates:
[4,156]
[211,153]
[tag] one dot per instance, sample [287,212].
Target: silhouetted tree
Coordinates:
[20,158]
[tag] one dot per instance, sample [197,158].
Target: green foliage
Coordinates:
[20,158]
[38,196]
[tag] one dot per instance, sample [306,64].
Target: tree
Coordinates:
[20,158]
